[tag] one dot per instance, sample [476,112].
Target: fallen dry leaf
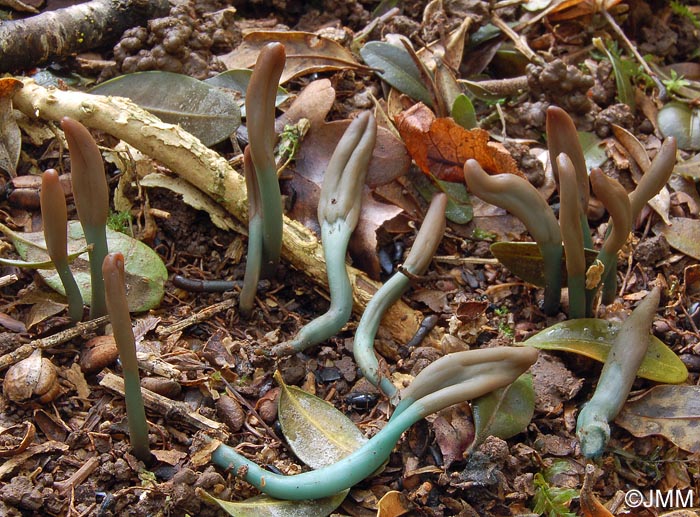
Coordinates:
[306,53]
[393,504]
[682,234]
[671,411]
[10,136]
[440,146]
[454,432]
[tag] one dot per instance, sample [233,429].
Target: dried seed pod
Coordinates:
[99,352]
[33,377]
[231,412]
[162,386]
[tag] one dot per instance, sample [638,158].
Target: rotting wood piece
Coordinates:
[163,405]
[187,157]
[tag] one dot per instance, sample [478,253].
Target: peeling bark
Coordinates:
[187,157]
[33,41]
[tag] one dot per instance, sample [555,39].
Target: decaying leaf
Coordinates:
[440,146]
[682,234]
[395,66]
[593,338]
[264,506]
[670,411]
[524,260]
[306,53]
[315,430]
[454,433]
[10,135]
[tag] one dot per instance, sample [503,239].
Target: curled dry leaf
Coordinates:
[440,146]
[306,53]
[16,439]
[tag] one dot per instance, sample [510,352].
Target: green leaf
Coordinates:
[237,80]
[625,90]
[317,432]
[504,412]
[144,270]
[463,112]
[395,66]
[265,506]
[679,120]
[523,259]
[594,337]
[205,111]
[459,207]
[593,150]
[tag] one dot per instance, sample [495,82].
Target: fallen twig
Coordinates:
[187,157]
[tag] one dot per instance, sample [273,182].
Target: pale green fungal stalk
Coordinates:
[422,251]
[467,375]
[55,219]
[338,213]
[615,382]
[521,199]
[91,197]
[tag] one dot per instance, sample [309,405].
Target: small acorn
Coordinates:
[33,377]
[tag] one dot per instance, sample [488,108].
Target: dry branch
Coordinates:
[187,157]
[32,41]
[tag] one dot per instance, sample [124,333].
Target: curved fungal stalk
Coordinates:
[571,233]
[91,197]
[367,459]
[520,198]
[113,270]
[55,220]
[616,378]
[338,212]
[260,120]
[422,251]
[655,178]
[615,200]
[562,137]
[253,265]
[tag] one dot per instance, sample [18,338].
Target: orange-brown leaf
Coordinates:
[440,146]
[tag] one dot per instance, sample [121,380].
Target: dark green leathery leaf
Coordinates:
[200,108]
